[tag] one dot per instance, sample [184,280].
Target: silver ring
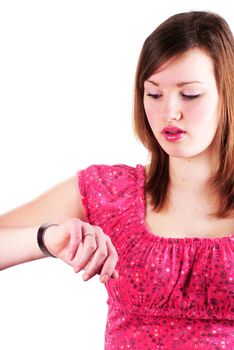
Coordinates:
[89,234]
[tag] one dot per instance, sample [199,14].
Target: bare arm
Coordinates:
[61,204]
[18,227]
[18,245]
[58,204]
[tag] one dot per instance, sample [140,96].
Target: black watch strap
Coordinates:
[40,239]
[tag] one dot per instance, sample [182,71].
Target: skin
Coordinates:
[193,158]
[191,162]
[61,204]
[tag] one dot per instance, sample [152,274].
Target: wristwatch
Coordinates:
[40,239]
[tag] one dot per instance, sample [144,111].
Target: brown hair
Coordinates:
[179,33]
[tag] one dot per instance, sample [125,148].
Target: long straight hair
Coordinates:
[174,37]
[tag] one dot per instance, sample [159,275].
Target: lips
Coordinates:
[172,130]
[173,134]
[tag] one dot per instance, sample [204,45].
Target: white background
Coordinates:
[66,95]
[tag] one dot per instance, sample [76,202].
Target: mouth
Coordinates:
[172,130]
[173,134]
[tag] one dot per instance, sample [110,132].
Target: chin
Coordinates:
[180,153]
[185,155]
[179,150]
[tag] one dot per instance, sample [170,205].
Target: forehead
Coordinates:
[195,64]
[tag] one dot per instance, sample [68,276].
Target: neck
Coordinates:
[191,174]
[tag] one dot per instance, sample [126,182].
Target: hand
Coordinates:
[94,252]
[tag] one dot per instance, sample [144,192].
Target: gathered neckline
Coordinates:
[141,177]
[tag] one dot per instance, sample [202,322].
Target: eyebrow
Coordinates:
[182,83]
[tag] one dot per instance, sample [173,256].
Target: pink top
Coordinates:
[172,293]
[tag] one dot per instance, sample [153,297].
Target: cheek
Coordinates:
[196,114]
[153,121]
[150,114]
[151,118]
[202,114]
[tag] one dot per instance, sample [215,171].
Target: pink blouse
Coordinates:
[172,293]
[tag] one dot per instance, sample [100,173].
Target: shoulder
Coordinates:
[105,189]
[106,168]
[109,178]
[109,172]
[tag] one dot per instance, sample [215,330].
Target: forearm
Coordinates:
[18,245]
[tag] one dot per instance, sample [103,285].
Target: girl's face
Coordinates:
[184,91]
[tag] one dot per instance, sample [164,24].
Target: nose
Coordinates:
[170,109]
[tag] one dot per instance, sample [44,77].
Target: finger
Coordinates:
[74,228]
[115,274]
[77,257]
[95,265]
[89,248]
[108,268]
[85,228]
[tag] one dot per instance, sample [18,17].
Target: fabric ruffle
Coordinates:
[173,278]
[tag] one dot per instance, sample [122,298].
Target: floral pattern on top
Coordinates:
[172,293]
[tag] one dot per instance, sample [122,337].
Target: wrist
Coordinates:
[41,239]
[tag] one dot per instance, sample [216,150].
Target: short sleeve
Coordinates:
[107,192]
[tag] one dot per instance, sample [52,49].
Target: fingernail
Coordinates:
[77,268]
[104,278]
[85,277]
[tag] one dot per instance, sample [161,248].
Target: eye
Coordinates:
[155,96]
[190,97]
